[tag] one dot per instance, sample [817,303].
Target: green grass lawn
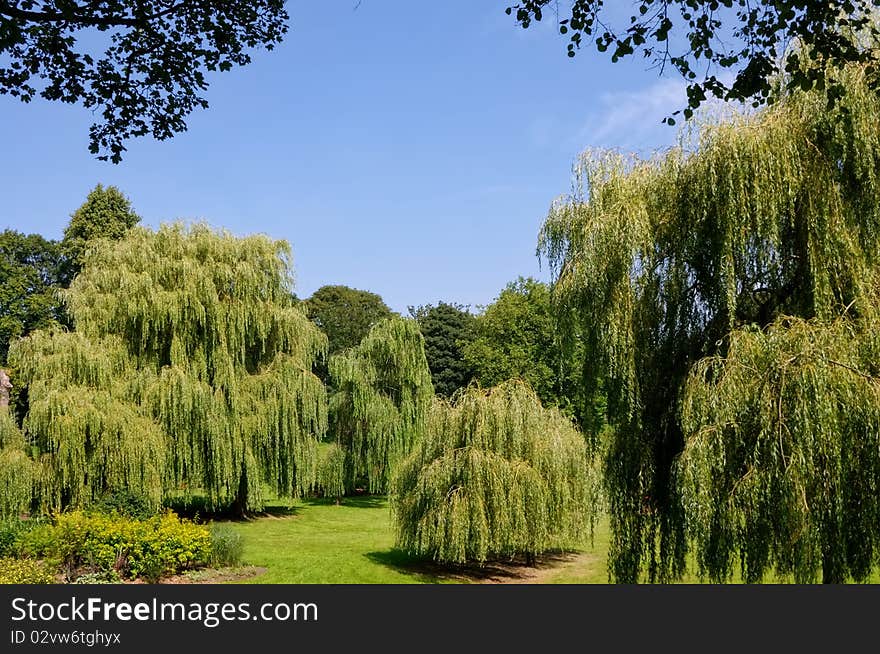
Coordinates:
[318,542]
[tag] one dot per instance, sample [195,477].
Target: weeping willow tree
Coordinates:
[496,475]
[91,436]
[383,393]
[190,368]
[665,262]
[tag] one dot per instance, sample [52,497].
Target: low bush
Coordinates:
[11,532]
[162,545]
[25,571]
[227,545]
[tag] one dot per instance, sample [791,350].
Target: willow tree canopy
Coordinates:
[190,368]
[383,393]
[663,262]
[496,475]
[781,468]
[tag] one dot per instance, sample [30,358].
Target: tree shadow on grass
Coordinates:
[275,511]
[354,501]
[514,570]
[198,508]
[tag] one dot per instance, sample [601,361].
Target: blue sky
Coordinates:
[407,148]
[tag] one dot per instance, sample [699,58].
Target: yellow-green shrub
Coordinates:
[25,571]
[161,545]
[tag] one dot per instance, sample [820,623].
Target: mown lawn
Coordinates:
[318,542]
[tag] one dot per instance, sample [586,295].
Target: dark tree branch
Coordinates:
[69,17]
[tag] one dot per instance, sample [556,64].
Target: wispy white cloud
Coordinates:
[632,119]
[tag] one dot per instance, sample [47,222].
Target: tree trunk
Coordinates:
[239,505]
[831,571]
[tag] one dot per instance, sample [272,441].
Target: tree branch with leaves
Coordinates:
[702,39]
[152,73]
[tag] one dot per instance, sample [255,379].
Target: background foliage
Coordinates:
[447,329]
[518,337]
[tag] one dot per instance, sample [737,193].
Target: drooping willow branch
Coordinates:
[781,469]
[16,468]
[383,394]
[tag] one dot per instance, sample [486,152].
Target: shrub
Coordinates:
[25,571]
[161,545]
[227,545]
[9,532]
[12,531]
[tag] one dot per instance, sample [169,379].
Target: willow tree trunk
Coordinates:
[239,505]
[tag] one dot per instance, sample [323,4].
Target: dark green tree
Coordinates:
[345,314]
[106,213]
[726,295]
[32,269]
[517,338]
[447,328]
[750,38]
[151,75]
